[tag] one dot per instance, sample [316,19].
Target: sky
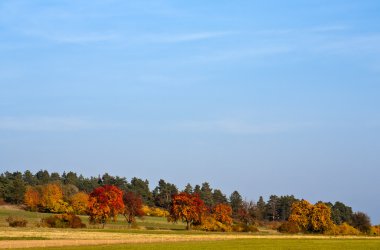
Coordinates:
[263,97]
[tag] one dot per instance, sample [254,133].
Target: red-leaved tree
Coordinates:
[104,203]
[186,207]
[133,207]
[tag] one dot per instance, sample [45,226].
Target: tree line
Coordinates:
[70,192]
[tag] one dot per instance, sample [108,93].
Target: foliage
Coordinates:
[62,221]
[52,198]
[341,213]
[105,202]
[222,213]
[245,213]
[209,223]
[133,207]
[162,194]
[79,202]
[320,218]
[309,218]
[12,187]
[218,197]
[16,221]
[141,187]
[300,214]
[155,211]
[342,229]
[244,228]
[31,198]
[375,230]
[206,194]
[235,201]
[361,221]
[188,208]
[290,227]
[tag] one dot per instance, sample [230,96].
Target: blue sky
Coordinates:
[266,97]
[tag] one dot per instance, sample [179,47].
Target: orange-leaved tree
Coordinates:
[222,213]
[320,218]
[52,198]
[31,198]
[133,207]
[300,214]
[104,203]
[79,202]
[187,208]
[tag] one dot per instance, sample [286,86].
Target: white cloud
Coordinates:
[186,37]
[52,124]
[79,38]
[240,127]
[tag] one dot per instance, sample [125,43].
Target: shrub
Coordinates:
[244,228]
[155,211]
[375,230]
[62,221]
[289,227]
[343,229]
[211,224]
[16,221]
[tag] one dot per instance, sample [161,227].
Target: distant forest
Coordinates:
[277,208]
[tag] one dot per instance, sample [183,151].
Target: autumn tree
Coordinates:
[187,208]
[79,202]
[245,213]
[105,202]
[32,198]
[133,207]
[222,213]
[52,198]
[300,214]
[320,218]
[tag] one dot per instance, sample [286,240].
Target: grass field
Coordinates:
[157,233]
[346,244]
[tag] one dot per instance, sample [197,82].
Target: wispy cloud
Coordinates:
[53,124]
[240,127]
[79,38]
[185,37]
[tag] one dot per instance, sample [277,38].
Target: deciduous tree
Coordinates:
[320,218]
[133,207]
[32,198]
[300,214]
[79,202]
[187,208]
[105,202]
[52,198]
[222,213]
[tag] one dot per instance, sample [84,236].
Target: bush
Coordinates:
[211,224]
[16,221]
[343,229]
[375,230]
[289,227]
[244,228]
[62,221]
[155,211]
